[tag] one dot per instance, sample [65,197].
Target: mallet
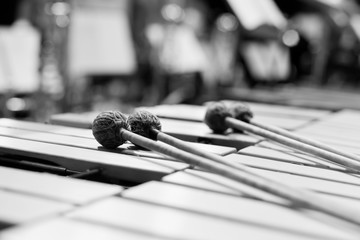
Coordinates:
[148,125]
[220,117]
[241,112]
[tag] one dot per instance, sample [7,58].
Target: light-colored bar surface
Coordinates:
[71,229]
[295,169]
[278,153]
[42,127]
[56,188]
[18,208]
[213,182]
[232,208]
[166,222]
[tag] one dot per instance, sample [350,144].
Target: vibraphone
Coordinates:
[56,182]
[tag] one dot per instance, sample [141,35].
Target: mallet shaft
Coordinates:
[334,158]
[180,144]
[303,139]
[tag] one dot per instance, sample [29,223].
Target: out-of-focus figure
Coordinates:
[177,58]
[329,29]
[19,59]
[266,57]
[198,47]
[101,57]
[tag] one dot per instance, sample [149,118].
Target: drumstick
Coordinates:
[242,112]
[111,130]
[219,118]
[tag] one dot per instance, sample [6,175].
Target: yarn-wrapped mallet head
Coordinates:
[218,111]
[215,117]
[106,128]
[240,111]
[143,122]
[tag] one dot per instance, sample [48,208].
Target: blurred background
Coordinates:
[91,55]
